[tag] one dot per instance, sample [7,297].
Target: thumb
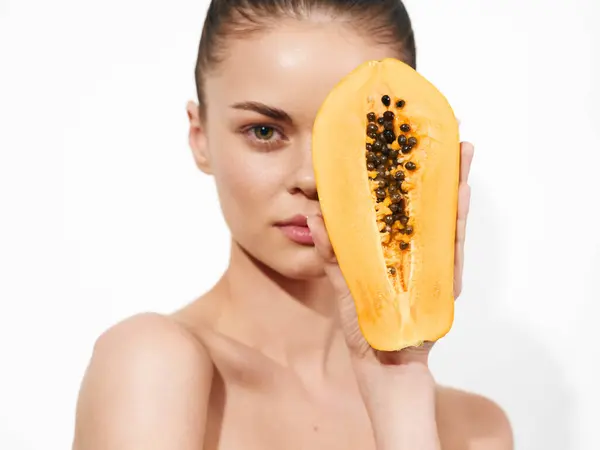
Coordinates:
[345,302]
[325,251]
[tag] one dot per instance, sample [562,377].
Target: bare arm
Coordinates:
[404,404]
[401,404]
[147,386]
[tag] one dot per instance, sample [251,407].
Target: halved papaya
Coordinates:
[386,156]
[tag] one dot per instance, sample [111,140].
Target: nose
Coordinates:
[302,181]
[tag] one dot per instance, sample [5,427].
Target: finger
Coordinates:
[321,239]
[464,201]
[466,158]
[464,192]
[325,251]
[343,298]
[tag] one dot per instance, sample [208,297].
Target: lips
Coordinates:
[296,229]
[296,221]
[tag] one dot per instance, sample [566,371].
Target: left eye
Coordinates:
[264,133]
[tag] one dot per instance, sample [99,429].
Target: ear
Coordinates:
[197,138]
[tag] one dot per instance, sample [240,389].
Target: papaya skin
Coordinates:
[403,297]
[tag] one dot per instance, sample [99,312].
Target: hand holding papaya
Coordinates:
[358,346]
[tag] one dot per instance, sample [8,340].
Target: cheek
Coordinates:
[248,180]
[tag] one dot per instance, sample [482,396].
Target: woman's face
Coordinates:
[256,139]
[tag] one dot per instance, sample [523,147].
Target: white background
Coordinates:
[103,213]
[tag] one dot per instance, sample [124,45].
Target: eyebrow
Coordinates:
[265,110]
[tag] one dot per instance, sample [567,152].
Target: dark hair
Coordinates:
[384,21]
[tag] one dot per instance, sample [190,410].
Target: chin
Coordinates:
[306,265]
[296,262]
[287,259]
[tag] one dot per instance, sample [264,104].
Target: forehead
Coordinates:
[292,66]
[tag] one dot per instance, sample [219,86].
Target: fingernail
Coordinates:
[308,219]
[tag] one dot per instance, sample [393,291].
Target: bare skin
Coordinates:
[270,357]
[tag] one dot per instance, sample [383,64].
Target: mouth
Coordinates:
[296,229]
[296,221]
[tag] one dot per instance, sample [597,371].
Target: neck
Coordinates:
[292,321]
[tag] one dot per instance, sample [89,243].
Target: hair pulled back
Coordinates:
[383,21]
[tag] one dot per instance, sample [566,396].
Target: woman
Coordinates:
[271,357]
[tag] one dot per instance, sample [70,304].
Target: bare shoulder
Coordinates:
[470,421]
[138,386]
